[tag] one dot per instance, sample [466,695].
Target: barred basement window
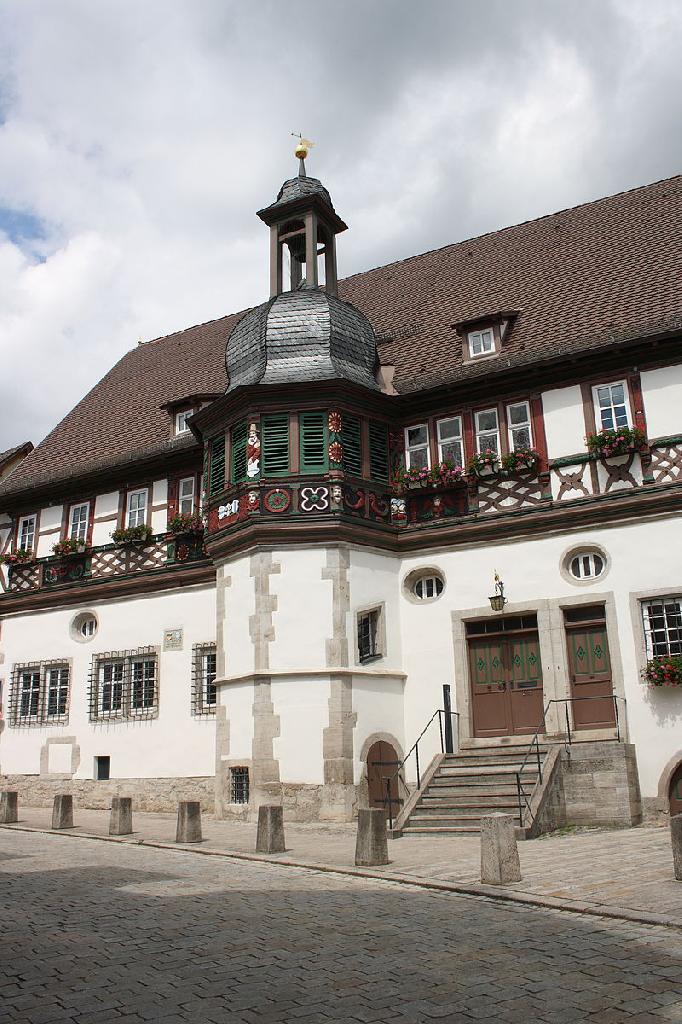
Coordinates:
[239,785]
[313,441]
[217,470]
[204,693]
[124,685]
[40,693]
[378,451]
[275,444]
[352,446]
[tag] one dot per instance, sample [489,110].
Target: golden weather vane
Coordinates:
[303,146]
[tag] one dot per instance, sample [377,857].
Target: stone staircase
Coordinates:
[468,785]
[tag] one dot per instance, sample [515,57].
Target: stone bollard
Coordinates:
[62,811]
[499,854]
[189,822]
[270,835]
[121,818]
[676,836]
[371,846]
[9,806]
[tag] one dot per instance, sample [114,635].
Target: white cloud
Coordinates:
[145,136]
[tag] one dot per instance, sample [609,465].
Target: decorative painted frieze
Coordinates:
[253,452]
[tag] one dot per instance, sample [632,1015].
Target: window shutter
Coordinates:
[217,479]
[313,441]
[238,438]
[275,444]
[378,451]
[352,446]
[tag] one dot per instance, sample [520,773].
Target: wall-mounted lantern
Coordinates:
[498,600]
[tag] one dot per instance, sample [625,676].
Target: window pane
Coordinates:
[617,394]
[418,458]
[518,413]
[452,451]
[520,437]
[487,420]
[449,428]
[417,435]
[488,443]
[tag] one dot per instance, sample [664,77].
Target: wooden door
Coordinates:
[675,791]
[506,684]
[590,668]
[525,692]
[382,764]
[489,697]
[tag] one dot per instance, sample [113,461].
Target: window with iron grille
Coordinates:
[239,785]
[204,693]
[40,693]
[368,635]
[663,626]
[124,685]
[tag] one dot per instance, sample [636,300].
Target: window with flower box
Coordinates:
[663,626]
[186,496]
[26,533]
[487,431]
[450,440]
[612,406]
[78,521]
[136,513]
[417,455]
[124,685]
[40,693]
[519,428]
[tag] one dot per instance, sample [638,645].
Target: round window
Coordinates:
[423,584]
[428,587]
[84,627]
[586,565]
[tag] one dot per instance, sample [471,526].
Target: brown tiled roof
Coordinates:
[581,279]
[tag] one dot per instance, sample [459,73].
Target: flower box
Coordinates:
[664,671]
[183,525]
[520,460]
[443,474]
[20,557]
[484,464]
[69,546]
[606,444]
[132,535]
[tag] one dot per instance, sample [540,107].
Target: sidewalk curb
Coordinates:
[434,885]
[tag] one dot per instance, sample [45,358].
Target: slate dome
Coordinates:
[298,336]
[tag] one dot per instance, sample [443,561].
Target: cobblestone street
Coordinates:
[98,932]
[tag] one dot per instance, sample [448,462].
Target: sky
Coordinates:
[137,140]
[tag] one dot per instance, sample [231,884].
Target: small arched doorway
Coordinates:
[675,791]
[382,765]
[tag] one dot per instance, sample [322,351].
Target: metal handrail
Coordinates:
[414,749]
[535,742]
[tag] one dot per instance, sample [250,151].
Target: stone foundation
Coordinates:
[147,794]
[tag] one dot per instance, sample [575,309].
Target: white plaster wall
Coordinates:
[175,743]
[50,527]
[564,421]
[303,709]
[662,394]
[378,705]
[646,557]
[105,505]
[237,698]
[239,606]
[303,619]
[374,581]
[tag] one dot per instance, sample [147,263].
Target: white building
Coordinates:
[298,648]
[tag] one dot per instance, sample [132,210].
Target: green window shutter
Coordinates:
[352,446]
[217,477]
[238,439]
[378,451]
[275,444]
[313,441]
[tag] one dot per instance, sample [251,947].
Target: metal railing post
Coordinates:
[615,710]
[440,727]
[568,724]
[537,751]
[518,791]
[416,755]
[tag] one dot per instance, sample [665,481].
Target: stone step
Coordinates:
[441,831]
[483,803]
[436,788]
[500,753]
[492,772]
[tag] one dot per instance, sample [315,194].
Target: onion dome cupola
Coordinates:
[304,332]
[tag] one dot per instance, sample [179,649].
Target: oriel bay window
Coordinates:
[40,693]
[124,684]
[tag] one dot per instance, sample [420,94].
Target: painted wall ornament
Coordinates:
[337,496]
[398,510]
[252,501]
[277,500]
[335,422]
[314,499]
[231,509]
[336,452]
[253,452]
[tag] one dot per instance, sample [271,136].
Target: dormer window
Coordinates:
[481,343]
[181,425]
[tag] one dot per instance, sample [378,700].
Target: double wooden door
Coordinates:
[589,663]
[382,765]
[506,684]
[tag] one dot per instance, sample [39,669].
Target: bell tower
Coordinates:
[303,219]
